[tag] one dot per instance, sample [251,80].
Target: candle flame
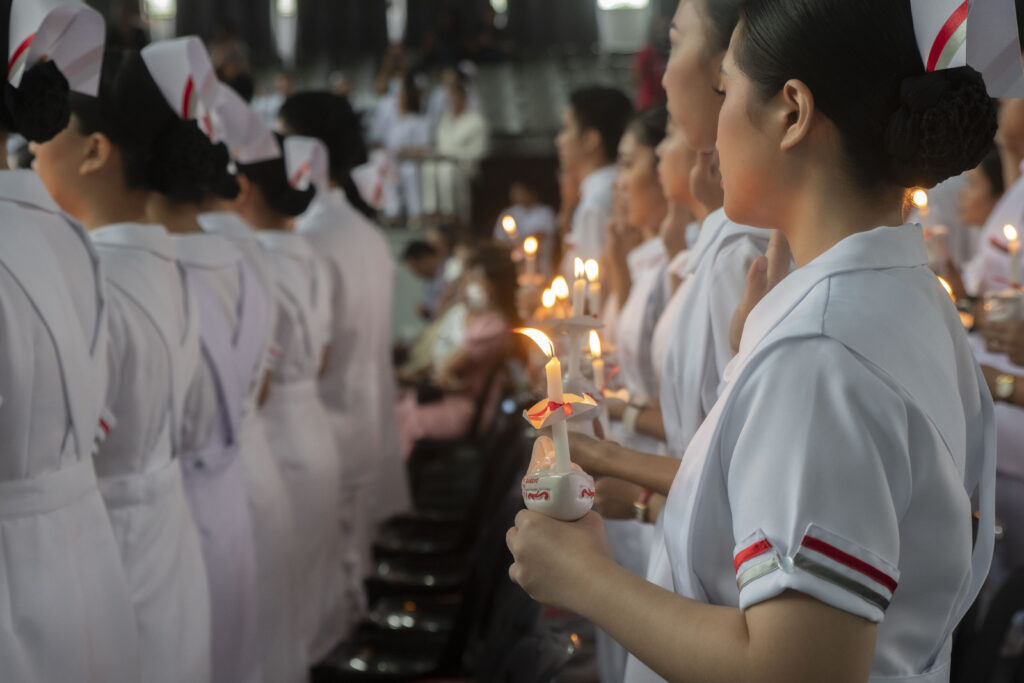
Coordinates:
[919,198]
[1010,232]
[530,246]
[508,224]
[548,298]
[539,338]
[578,268]
[560,287]
[949,289]
[592,269]
[595,344]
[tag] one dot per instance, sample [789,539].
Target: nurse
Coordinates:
[101,170]
[233,318]
[854,421]
[66,614]
[281,645]
[358,383]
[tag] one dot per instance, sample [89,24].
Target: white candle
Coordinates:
[530,246]
[596,362]
[559,430]
[1013,240]
[579,288]
[592,270]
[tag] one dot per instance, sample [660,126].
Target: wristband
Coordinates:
[629,418]
[1006,387]
[640,506]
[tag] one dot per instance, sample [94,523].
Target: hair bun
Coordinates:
[186,166]
[945,125]
[38,108]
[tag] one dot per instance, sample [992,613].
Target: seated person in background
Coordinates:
[424,260]
[407,140]
[532,218]
[462,138]
[446,409]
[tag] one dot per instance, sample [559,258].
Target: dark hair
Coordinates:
[271,177]
[38,107]
[722,16]
[159,150]
[496,262]
[992,167]
[416,250]
[606,110]
[411,91]
[899,125]
[331,119]
[649,125]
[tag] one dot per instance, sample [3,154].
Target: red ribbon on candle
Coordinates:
[551,407]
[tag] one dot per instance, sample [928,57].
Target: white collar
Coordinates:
[226,223]
[880,248]
[286,242]
[24,187]
[205,251]
[598,181]
[151,237]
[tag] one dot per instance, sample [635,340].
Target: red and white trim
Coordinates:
[19,56]
[951,38]
[825,556]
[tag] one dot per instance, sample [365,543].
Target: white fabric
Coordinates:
[281,647]
[182,71]
[990,267]
[154,353]
[589,230]
[67,32]
[299,433]
[405,132]
[214,472]
[66,614]
[694,344]
[241,128]
[944,210]
[358,384]
[854,414]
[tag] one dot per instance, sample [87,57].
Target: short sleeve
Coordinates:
[818,479]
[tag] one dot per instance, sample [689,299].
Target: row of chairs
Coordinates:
[441,602]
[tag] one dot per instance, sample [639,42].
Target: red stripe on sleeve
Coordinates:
[850,561]
[948,29]
[750,552]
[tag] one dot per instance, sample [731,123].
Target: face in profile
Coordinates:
[692,77]
[569,144]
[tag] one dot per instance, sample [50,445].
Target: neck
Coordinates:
[177,218]
[1012,160]
[589,166]
[267,220]
[830,211]
[107,208]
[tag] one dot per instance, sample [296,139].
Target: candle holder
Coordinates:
[566,496]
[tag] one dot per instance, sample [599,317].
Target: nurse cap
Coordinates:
[238,126]
[67,32]
[981,34]
[182,71]
[307,162]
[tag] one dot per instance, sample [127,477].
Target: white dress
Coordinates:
[590,219]
[989,268]
[65,606]
[630,540]
[232,331]
[358,384]
[854,424]
[281,648]
[697,352]
[154,353]
[300,436]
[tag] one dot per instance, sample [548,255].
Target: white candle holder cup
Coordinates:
[566,496]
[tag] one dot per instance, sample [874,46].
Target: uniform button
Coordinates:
[787,564]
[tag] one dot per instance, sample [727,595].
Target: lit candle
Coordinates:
[966,319]
[561,291]
[553,371]
[1013,244]
[530,246]
[547,299]
[919,198]
[579,288]
[508,224]
[593,271]
[597,363]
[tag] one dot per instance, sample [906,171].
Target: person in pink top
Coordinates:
[464,380]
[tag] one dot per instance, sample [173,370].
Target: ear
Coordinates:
[796,112]
[98,152]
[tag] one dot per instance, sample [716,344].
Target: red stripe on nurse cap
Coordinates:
[67,32]
[182,70]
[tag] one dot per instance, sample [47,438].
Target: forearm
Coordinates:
[791,637]
[653,472]
[678,638]
[650,423]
